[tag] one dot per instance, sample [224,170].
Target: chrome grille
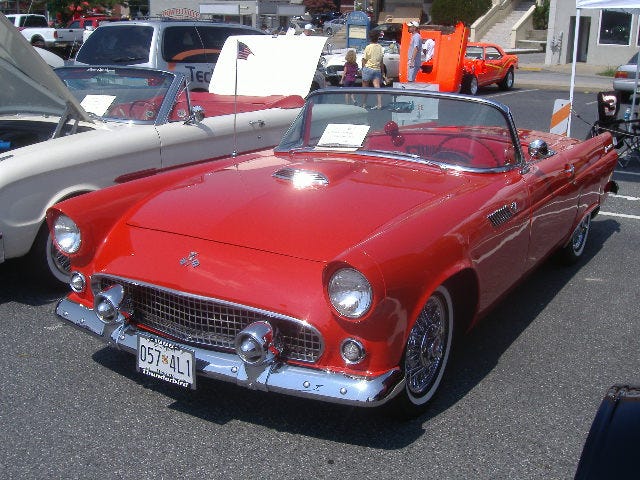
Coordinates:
[208,322]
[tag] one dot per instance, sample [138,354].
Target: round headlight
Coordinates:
[66,234]
[350,293]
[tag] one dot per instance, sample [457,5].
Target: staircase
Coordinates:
[500,32]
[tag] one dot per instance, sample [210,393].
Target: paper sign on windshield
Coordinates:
[338,135]
[97,104]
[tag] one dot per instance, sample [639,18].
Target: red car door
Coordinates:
[554,193]
[494,65]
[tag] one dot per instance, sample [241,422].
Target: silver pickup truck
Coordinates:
[73,34]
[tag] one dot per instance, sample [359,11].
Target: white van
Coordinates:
[188,46]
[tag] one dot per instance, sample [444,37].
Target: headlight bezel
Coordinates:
[66,235]
[350,293]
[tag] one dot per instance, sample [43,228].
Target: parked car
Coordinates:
[73,34]
[391,32]
[624,79]
[330,27]
[341,265]
[334,63]
[318,19]
[485,64]
[190,47]
[35,28]
[53,60]
[89,127]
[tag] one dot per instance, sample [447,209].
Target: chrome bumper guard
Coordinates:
[272,377]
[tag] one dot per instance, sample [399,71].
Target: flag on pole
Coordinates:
[244,51]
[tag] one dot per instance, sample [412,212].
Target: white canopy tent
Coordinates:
[629,6]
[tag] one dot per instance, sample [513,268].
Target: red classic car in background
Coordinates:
[341,265]
[487,63]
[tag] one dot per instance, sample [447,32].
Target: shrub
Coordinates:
[450,12]
[541,16]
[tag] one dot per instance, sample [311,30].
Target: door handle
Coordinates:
[569,170]
[260,123]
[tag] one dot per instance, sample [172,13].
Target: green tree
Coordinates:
[541,16]
[450,12]
[319,6]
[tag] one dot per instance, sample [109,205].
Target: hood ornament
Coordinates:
[191,259]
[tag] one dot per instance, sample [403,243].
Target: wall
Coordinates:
[560,14]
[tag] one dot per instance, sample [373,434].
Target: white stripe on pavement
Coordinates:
[623,215]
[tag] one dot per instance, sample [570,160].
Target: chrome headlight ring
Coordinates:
[350,293]
[66,235]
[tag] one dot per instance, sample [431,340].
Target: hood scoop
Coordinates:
[301,178]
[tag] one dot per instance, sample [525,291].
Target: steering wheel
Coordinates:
[147,107]
[461,155]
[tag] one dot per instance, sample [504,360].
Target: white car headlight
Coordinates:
[66,234]
[350,293]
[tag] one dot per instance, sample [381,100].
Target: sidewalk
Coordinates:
[533,71]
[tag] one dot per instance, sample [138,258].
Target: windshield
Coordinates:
[118,94]
[451,130]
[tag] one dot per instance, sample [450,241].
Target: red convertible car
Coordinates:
[487,63]
[341,265]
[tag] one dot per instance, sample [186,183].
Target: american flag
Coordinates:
[243,51]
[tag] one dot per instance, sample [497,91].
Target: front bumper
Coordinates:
[272,377]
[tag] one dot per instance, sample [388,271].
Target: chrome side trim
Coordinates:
[278,377]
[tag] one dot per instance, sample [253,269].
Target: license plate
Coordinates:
[167,361]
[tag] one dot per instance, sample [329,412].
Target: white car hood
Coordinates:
[28,84]
[289,71]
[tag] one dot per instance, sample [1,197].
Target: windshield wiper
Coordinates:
[127,59]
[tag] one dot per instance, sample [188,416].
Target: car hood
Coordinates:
[29,85]
[261,205]
[263,73]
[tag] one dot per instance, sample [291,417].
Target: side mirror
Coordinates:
[539,149]
[196,116]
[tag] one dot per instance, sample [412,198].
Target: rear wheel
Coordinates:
[38,42]
[507,82]
[574,249]
[426,354]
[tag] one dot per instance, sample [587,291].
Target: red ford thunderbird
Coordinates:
[341,265]
[487,63]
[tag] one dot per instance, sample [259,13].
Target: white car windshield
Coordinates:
[127,94]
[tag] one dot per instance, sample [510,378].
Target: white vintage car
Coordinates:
[333,62]
[84,128]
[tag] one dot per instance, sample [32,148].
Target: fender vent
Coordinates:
[502,215]
[300,178]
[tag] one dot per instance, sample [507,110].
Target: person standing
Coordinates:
[372,65]
[414,53]
[349,72]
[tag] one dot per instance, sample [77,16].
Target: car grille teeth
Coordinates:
[502,215]
[208,322]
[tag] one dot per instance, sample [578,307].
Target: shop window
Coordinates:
[615,28]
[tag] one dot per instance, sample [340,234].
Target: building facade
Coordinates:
[605,37]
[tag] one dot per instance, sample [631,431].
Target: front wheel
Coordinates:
[470,84]
[426,355]
[574,249]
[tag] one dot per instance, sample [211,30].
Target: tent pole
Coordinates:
[573,69]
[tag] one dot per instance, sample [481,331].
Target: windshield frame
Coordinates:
[297,129]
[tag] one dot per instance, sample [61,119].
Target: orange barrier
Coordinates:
[445,68]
